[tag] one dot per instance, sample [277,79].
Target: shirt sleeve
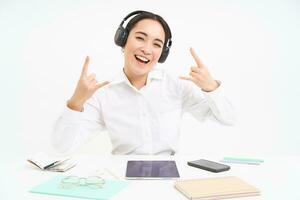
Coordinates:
[74,128]
[207,105]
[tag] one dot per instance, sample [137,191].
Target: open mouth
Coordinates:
[142,59]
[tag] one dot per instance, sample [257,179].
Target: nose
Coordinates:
[146,49]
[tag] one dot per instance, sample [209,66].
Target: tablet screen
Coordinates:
[151,169]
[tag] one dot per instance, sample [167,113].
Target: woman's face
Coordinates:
[143,47]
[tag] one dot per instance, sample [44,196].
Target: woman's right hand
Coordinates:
[86,87]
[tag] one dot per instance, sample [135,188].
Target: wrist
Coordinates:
[75,105]
[213,86]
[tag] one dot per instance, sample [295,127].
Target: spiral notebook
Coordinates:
[216,188]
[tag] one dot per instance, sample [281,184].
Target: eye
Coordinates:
[140,38]
[157,45]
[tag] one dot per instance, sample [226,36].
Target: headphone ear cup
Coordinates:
[164,55]
[121,36]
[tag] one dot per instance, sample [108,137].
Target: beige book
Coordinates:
[216,188]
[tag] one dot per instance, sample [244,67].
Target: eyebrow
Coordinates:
[145,34]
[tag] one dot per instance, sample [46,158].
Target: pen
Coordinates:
[112,174]
[250,161]
[239,162]
[50,165]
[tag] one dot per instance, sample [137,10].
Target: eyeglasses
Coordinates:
[93,182]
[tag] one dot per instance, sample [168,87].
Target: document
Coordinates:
[52,187]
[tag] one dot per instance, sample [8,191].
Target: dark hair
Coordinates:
[148,15]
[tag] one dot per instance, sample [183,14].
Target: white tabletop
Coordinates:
[277,178]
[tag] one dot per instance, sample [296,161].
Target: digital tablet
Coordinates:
[151,169]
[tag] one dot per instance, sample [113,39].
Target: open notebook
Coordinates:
[216,188]
[46,162]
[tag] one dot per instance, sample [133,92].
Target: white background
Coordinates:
[251,46]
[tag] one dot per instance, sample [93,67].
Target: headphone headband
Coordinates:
[131,14]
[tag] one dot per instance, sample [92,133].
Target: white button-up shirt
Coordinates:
[145,121]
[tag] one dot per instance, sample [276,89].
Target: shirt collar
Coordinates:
[120,77]
[156,73]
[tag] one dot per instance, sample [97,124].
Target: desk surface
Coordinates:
[278,177]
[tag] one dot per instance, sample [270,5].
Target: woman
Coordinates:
[142,107]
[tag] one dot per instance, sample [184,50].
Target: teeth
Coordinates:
[142,58]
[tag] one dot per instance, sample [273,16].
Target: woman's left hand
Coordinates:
[200,75]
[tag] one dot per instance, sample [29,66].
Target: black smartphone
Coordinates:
[209,165]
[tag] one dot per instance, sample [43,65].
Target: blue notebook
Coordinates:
[52,187]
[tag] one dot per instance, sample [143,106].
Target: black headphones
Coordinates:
[121,35]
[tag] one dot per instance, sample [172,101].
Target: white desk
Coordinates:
[277,178]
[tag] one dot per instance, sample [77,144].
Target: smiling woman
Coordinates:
[142,50]
[142,107]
